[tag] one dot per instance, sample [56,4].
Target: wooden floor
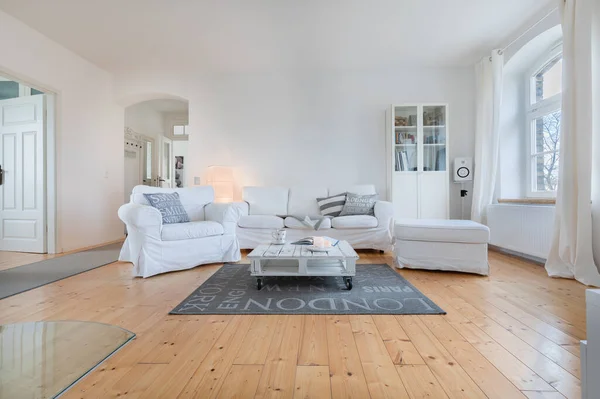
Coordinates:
[512,335]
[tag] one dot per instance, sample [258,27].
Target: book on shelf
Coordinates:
[405,161]
[401,161]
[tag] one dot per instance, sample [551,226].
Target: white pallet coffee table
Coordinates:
[298,260]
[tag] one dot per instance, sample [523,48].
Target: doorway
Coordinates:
[156,139]
[27,184]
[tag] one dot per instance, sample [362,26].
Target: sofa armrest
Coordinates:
[228,214]
[143,218]
[384,212]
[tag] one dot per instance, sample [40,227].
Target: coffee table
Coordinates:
[298,260]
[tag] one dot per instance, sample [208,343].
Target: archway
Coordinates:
[155,142]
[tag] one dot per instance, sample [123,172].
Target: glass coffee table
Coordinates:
[297,260]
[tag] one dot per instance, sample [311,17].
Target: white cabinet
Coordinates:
[418,162]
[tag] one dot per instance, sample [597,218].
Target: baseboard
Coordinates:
[516,254]
[72,251]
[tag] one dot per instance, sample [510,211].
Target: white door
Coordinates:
[166,163]
[22,158]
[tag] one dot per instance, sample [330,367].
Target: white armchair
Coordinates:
[154,248]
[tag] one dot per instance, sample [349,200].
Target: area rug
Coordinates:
[27,277]
[377,289]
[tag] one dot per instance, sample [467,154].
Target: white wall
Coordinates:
[318,127]
[145,119]
[596,137]
[89,133]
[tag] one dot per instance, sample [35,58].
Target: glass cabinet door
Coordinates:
[405,139]
[434,138]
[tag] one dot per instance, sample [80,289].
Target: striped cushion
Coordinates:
[332,206]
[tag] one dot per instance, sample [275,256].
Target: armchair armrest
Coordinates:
[228,214]
[144,218]
[384,212]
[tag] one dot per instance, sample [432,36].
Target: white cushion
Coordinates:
[193,199]
[442,230]
[185,231]
[293,223]
[303,200]
[360,189]
[261,222]
[266,200]
[354,222]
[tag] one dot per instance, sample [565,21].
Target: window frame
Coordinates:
[176,119]
[533,111]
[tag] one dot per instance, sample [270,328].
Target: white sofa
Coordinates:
[265,209]
[155,248]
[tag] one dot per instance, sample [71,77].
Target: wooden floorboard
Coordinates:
[514,334]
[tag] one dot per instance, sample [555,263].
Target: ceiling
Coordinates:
[266,35]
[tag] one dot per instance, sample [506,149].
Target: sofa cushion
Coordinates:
[266,200]
[354,222]
[293,223]
[193,199]
[260,222]
[359,205]
[169,206]
[361,189]
[303,200]
[442,230]
[333,205]
[185,231]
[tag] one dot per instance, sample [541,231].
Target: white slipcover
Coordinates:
[266,200]
[354,222]
[442,230]
[303,200]
[293,223]
[362,233]
[440,244]
[154,248]
[261,222]
[184,231]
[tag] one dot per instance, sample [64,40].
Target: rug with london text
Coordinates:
[377,289]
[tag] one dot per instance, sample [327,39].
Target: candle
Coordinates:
[319,242]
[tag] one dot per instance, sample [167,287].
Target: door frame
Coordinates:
[52,101]
[170,162]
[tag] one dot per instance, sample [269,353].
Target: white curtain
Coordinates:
[571,254]
[488,73]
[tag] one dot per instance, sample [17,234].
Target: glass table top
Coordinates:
[43,359]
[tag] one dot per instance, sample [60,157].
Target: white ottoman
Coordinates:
[440,244]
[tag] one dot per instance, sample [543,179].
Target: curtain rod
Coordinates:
[502,50]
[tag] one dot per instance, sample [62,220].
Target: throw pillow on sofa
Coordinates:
[359,205]
[170,207]
[332,206]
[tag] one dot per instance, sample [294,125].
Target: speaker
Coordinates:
[463,169]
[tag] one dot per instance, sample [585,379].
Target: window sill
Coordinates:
[528,201]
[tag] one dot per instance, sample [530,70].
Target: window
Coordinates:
[543,121]
[180,130]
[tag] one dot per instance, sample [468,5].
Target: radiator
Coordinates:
[522,228]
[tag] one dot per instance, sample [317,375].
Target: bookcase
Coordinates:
[418,167]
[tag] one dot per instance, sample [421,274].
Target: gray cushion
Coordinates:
[170,207]
[359,204]
[331,206]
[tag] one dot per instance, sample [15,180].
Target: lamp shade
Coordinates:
[221,179]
